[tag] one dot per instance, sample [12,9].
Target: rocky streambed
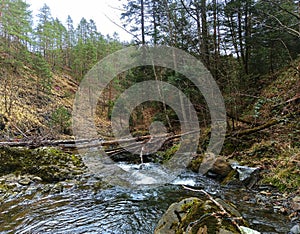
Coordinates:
[49,191]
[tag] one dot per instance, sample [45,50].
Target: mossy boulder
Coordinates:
[219,168]
[50,164]
[194,215]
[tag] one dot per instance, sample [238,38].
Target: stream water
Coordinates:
[84,209]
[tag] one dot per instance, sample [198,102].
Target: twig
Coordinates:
[208,195]
[23,134]
[123,28]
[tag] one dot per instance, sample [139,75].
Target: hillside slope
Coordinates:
[272,140]
[29,107]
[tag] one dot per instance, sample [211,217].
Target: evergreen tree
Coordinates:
[44,31]
[59,44]
[16,21]
[275,36]
[70,41]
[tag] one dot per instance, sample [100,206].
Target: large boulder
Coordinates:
[194,215]
[213,166]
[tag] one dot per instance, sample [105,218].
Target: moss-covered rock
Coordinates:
[194,215]
[220,168]
[165,156]
[50,164]
[195,163]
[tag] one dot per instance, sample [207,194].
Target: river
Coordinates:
[81,207]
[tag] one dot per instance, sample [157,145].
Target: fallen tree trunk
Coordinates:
[90,143]
[35,143]
[255,129]
[261,127]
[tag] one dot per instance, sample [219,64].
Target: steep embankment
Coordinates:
[272,140]
[32,104]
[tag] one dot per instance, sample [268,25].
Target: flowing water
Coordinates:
[84,209]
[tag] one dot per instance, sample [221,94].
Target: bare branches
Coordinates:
[135,36]
[288,29]
[284,9]
[187,10]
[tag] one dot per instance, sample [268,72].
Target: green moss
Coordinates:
[50,164]
[285,175]
[231,178]
[232,145]
[195,163]
[167,155]
[200,214]
[185,207]
[99,185]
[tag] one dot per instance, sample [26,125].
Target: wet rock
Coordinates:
[242,176]
[232,179]
[220,169]
[245,172]
[194,215]
[246,230]
[47,188]
[222,231]
[211,165]
[58,188]
[234,212]
[25,181]
[295,229]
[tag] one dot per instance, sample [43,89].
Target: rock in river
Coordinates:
[194,215]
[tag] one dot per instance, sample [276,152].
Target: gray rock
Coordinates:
[173,216]
[223,231]
[25,181]
[244,171]
[295,229]
[221,168]
[246,230]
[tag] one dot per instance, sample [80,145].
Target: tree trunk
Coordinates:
[204,29]
[143,22]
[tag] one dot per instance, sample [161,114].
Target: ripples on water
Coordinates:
[112,211]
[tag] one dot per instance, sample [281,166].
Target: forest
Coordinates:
[250,47]
[239,42]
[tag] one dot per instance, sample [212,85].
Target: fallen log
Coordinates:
[92,143]
[261,127]
[37,143]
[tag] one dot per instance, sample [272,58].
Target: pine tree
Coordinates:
[70,41]
[16,21]
[44,31]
